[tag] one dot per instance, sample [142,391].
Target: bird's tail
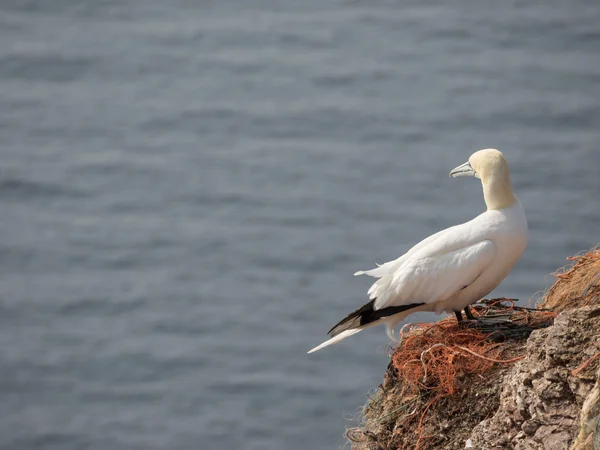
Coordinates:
[340,337]
[396,314]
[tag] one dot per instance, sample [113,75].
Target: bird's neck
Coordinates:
[498,193]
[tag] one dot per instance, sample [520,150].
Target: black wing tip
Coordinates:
[345,324]
[365,315]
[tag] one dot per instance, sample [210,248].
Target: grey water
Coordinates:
[186,189]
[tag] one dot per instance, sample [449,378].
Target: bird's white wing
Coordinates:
[391,266]
[432,274]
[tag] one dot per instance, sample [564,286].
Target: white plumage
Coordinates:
[452,268]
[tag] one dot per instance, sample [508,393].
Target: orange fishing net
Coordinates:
[434,358]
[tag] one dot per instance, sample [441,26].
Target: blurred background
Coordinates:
[187,187]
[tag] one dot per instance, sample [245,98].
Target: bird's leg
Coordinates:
[459,317]
[468,313]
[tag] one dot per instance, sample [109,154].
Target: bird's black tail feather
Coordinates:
[365,315]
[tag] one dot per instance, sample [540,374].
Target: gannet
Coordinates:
[453,268]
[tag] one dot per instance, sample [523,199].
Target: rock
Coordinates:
[548,400]
[552,408]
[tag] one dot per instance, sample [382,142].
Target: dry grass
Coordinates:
[577,285]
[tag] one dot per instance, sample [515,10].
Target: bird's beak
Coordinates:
[464,170]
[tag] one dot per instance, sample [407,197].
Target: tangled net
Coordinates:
[433,360]
[436,357]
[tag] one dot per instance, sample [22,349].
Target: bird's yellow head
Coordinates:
[490,166]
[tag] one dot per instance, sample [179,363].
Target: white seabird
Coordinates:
[453,268]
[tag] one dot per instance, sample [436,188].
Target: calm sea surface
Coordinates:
[187,187]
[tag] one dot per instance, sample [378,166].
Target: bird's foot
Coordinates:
[480,321]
